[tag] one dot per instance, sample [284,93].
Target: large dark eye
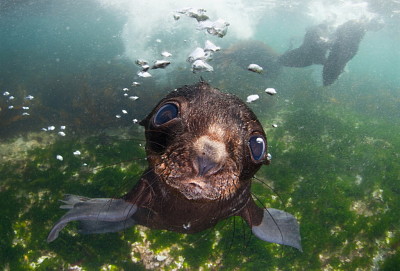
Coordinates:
[257,147]
[166,113]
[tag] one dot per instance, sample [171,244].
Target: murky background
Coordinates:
[68,111]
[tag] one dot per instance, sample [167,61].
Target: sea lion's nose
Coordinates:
[209,156]
[206,166]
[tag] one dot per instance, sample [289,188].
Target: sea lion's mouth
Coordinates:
[204,188]
[196,182]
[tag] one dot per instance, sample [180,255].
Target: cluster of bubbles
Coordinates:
[11,99]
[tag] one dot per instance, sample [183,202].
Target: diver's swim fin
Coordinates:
[272,225]
[97,215]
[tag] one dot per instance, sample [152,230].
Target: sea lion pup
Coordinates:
[313,49]
[203,148]
[342,46]
[345,46]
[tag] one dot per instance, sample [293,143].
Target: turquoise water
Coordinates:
[335,150]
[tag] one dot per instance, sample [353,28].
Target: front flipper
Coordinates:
[272,225]
[97,215]
[278,227]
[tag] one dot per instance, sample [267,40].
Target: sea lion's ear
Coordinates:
[272,225]
[144,122]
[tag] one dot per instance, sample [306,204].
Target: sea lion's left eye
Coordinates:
[166,113]
[257,147]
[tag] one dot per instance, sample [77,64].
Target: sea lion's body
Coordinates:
[168,210]
[342,45]
[203,148]
[347,41]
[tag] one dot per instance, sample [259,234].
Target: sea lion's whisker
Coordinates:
[273,190]
[156,143]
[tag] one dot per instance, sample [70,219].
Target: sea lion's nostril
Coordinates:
[206,166]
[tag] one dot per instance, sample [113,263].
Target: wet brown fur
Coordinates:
[172,194]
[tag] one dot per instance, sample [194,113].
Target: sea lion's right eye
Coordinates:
[257,147]
[166,113]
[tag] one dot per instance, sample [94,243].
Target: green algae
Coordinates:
[335,170]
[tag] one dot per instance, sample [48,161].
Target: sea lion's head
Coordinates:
[204,144]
